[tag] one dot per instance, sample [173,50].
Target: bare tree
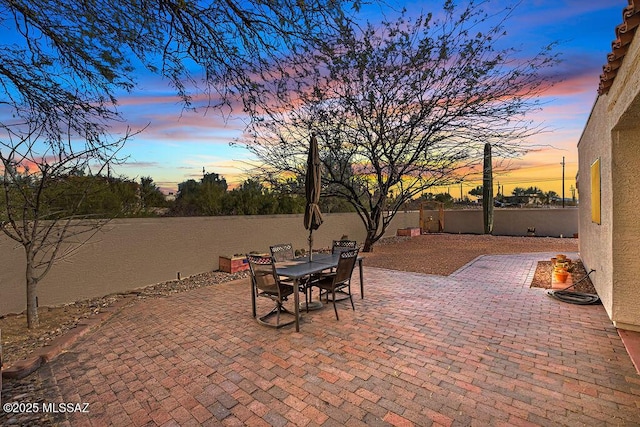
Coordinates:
[402,107]
[42,208]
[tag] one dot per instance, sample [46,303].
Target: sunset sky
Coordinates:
[177,145]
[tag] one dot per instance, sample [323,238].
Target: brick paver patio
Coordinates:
[476,348]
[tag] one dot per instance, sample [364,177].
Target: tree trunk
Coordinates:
[487,190]
[32,298]
[368,243]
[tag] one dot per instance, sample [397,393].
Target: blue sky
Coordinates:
[177,145]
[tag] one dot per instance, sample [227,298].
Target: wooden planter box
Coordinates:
[413,231]
[233,264]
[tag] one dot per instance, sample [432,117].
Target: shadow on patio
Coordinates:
[478,347]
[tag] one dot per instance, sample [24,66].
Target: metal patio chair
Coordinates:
[282,252]
[340,281]
[343,245]
[266,283]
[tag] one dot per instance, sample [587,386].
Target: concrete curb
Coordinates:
[631,341]
[58,345]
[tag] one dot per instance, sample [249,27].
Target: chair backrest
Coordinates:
[282,252]
[346,263]
[343,245]
[263,273]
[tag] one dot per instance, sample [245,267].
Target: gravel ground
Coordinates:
[442,254]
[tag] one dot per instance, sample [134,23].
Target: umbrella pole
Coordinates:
[310,244]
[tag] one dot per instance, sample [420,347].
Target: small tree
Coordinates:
[251,198]
[43,208]
[445,198]
[477,192]
[201,198]
[550,196]
[402,107]
[150,194]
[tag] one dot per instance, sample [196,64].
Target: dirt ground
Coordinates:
[440,254]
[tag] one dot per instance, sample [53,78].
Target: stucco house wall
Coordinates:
[612,134]
[596,239]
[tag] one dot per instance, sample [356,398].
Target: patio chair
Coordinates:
[343,245]
[266,283]
[340,281]
[282,252]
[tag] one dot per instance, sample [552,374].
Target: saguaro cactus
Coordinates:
[487,190]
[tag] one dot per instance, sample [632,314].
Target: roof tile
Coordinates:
[619,47]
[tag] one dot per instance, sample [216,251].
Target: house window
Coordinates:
[595,191]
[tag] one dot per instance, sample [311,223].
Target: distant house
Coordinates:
[524,200]
[609,178]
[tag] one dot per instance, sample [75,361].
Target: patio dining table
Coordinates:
[299,268]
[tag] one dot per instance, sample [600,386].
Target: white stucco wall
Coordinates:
[596,239]
[626,225]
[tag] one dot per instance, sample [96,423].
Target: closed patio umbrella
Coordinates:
[312,214]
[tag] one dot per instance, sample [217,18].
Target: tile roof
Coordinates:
[619,47]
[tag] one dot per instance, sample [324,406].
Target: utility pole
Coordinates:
[562,181]
[461,191]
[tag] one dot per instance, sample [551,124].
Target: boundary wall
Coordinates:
[138,252]
[134,253]
[512,222]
